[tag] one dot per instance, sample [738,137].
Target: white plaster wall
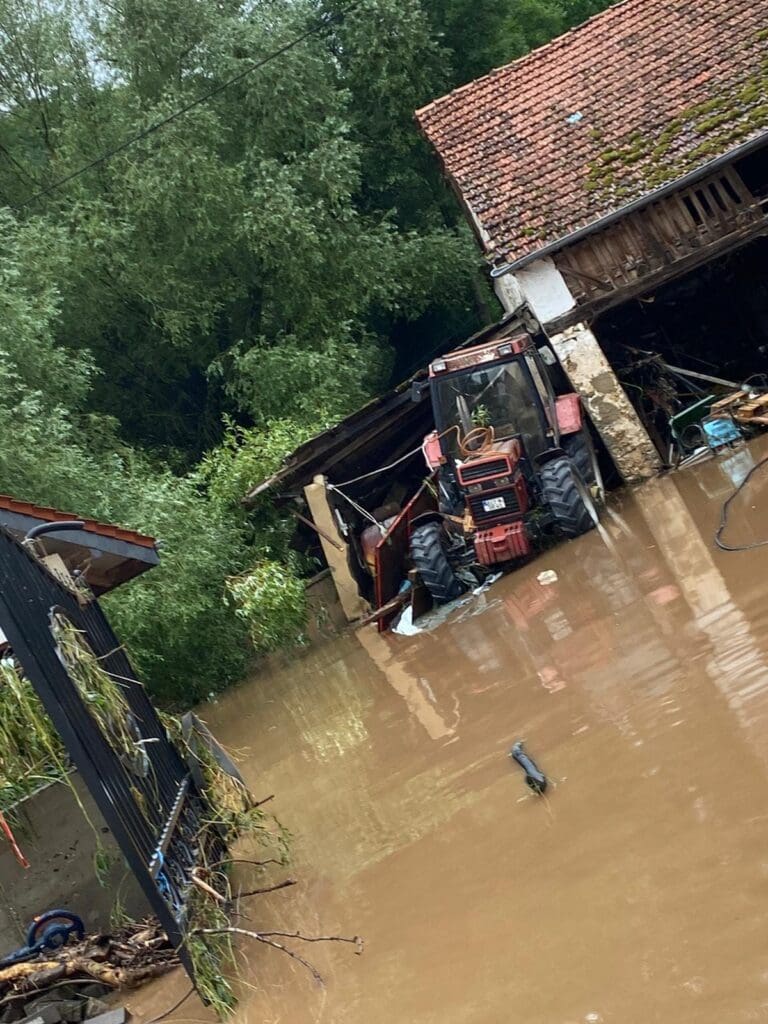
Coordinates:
[508,292]
[544,289]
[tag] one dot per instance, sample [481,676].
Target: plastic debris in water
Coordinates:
[534,777]
[546,577]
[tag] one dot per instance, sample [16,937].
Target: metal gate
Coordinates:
[156,813]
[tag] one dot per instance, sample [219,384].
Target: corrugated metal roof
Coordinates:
[638,96]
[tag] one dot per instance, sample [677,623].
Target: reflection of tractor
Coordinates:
[515,463]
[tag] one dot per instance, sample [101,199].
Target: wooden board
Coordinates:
[346,585]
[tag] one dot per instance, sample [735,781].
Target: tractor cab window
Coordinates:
[499,396]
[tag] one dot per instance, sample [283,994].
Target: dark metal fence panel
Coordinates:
[152,806]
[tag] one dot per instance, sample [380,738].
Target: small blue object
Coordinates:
[575,118]
[405,586]
[720,432]
[51,930]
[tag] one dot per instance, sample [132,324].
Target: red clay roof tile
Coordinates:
[605,114]
[52,515]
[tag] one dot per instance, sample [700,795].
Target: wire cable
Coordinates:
[325,22]
[724,517]
[172,1009]
[357,507]
[383,469]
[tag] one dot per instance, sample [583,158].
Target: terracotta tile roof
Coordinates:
[52,515]
[636,97]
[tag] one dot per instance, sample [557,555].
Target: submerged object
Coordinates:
[49,931]
[534,777]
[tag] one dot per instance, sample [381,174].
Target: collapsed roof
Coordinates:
[377,434]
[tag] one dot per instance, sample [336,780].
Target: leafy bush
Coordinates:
[272,600]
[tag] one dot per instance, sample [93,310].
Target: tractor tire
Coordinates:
[577,450]
[559,489]
[429,558]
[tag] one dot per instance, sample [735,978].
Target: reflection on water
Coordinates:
[635,890]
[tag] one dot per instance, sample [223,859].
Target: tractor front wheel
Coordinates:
[429,558]
[564,490]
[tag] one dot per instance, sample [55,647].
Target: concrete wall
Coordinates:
[60,846]
[625,437]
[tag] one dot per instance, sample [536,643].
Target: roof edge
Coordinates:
[519,60]
[637,204]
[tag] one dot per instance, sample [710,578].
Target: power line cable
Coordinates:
[325,22]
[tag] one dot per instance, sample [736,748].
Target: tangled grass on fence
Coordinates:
[31,752]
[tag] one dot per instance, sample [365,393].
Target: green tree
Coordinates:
[181,314]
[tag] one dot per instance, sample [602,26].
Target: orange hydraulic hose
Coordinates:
[12,842]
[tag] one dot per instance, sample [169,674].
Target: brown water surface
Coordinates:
[636,891]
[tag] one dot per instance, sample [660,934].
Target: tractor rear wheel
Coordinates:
[577,450]
[429,558]
[564,490]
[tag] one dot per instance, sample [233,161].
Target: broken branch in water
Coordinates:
[240,860]
[198,881]
[40,974]
[268,888]
[268,938]
[355,941]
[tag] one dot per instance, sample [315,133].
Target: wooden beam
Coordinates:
[397,602]
[352,603]
[318,530]
[651,282]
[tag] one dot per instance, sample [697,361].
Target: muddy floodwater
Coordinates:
[636,890]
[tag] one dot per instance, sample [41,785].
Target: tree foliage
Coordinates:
[179,316]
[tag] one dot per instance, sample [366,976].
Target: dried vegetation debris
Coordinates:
[125,958]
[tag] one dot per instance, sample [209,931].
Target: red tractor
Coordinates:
[515,465]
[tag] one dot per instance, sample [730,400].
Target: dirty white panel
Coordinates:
[545,290]
[509,293]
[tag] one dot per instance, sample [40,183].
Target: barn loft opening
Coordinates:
[712,320]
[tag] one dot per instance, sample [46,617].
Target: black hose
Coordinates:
[724,517]
[43,528]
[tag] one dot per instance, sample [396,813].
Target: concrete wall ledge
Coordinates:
[60,846]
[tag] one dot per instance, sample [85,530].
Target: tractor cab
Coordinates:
[491,395]
[512,459]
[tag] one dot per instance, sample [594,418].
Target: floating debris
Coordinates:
[547,577]
[534,777]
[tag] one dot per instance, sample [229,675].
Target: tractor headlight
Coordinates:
[474,488]
[439,366]
[505,350]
